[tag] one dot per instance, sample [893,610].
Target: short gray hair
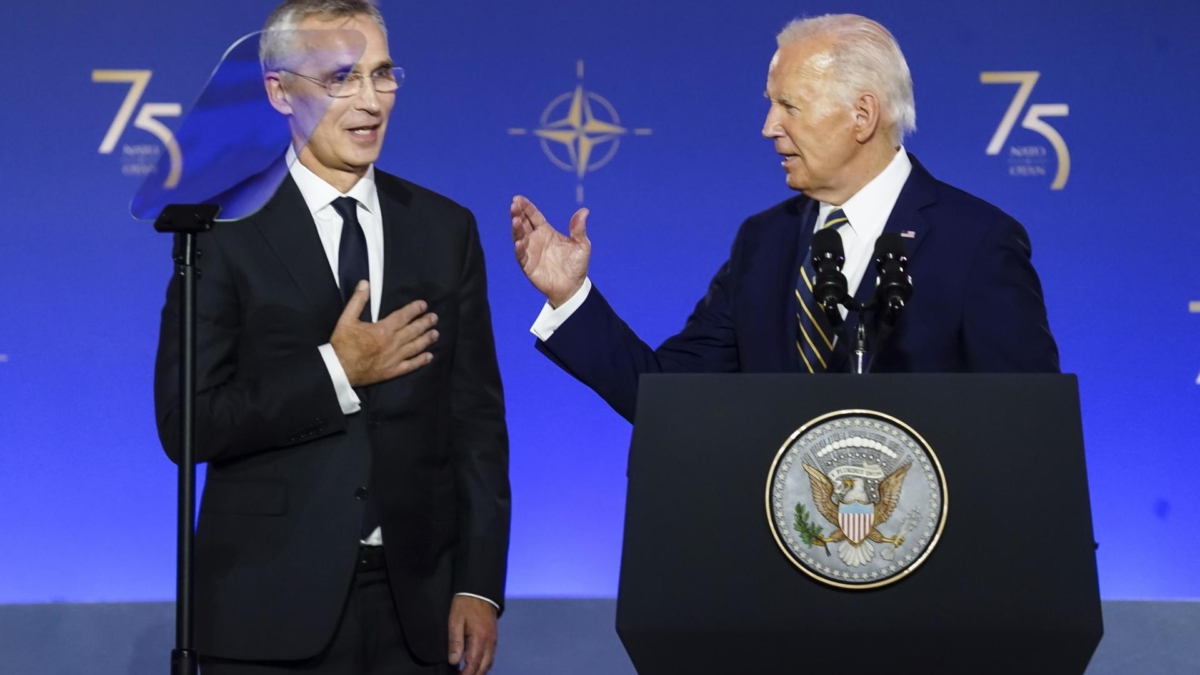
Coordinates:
[865,58]
[274,42]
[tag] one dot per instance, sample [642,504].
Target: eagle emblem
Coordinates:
[850,509]
[862,488]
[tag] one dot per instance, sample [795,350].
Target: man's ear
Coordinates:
[867,117]
[276,94]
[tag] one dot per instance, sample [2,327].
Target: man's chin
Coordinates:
[359,160]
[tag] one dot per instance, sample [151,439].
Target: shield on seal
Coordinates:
[857,520]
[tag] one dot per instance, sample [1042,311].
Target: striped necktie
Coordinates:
[816,337]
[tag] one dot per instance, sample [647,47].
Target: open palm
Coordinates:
[556,264]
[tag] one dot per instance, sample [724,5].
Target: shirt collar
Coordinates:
[871,205]
[319,194]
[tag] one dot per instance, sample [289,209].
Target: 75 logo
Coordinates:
[1032,120]
[146,120]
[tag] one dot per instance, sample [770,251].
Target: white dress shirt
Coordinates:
[318,196]
[868,211]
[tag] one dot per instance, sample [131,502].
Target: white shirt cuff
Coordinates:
[341,384]
[480,597]
[551,319]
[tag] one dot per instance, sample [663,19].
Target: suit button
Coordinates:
[361,493]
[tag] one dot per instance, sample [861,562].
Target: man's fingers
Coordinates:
[489,658]
[520,228]
[417,345]
[530,212]
[359,300]
[579,225]
[517,208]
[521,249]
[414,330]
[475,654]
[404,316]
[409,365]
[456,640]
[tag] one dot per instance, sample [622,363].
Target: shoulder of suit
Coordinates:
[791,208]
[965,209]
[416,197]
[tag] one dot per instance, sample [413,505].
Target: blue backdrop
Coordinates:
[86,495]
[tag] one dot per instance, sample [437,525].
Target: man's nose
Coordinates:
[367,98]
[771,127]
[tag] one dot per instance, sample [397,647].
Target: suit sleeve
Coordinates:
[1005,329]
[479,438]
[596,347]
[241,409]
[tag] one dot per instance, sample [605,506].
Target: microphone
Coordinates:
[893,286]
[830,288]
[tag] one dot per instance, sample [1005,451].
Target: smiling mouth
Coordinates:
[364,131]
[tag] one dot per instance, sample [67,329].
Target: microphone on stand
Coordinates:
[893,286]
[830,289]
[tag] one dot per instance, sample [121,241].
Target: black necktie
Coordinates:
[353,266]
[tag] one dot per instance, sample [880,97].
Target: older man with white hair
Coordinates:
[355,516]
[841,103]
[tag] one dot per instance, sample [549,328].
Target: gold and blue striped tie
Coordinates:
[816,337]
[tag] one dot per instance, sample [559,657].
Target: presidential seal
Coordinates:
[856,499]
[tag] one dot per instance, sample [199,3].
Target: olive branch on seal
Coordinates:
[809,531]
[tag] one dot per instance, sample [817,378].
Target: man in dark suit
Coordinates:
[841,103]
[355,516]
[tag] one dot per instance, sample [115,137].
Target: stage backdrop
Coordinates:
[1078,118]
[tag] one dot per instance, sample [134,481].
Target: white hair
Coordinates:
[275,42]
[865,58]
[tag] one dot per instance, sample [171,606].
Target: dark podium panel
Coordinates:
[1010,587]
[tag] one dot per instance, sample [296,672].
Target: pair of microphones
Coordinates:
[893,286]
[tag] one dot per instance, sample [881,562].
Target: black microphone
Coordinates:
[830,288]
[893,286]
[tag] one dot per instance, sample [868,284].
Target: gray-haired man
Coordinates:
[840,103]
[356,512]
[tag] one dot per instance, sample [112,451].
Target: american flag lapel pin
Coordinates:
[908,234]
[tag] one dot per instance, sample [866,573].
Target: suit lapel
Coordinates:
[906,220]
[291,232]
[405,250]
[794,247]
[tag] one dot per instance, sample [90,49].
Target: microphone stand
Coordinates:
[860,362]
[185,221]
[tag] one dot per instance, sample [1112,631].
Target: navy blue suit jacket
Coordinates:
[976,307]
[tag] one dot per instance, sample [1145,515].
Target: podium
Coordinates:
[1006,584]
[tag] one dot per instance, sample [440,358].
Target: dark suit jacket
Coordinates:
[282,509]
[976,307]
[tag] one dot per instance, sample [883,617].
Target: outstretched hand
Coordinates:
[557,265]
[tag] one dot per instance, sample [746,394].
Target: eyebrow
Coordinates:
[351,67]
[386,63]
